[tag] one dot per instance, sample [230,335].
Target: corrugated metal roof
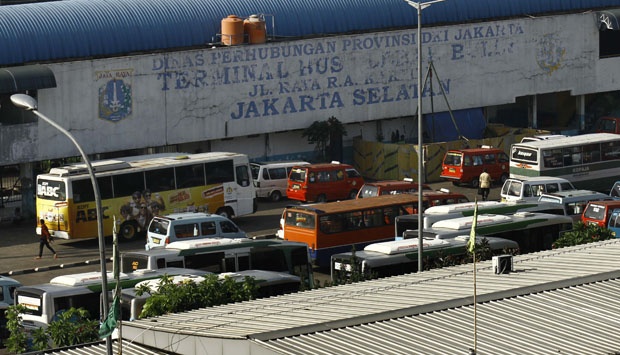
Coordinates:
[100,348]
[561,296]
[68,29]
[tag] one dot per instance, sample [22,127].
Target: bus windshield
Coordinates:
[51,190]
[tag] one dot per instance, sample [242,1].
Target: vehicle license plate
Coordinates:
[156,240]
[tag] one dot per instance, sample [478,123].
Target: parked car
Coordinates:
[164,230]
[270,177]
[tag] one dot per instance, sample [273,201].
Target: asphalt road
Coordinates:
[19,244]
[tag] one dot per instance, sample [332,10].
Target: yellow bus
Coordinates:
[134,189]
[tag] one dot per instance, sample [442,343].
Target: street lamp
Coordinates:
[419,7]
[28,103]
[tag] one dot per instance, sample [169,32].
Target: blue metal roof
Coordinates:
[71,29]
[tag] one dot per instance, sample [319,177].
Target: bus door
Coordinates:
[240,195]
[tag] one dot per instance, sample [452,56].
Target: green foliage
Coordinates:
[18,340]
[582,234]
[72,327]
[187,295]
[319,134]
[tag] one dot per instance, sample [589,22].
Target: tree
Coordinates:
[582,234]
[72,327]
[324,133]
[170,297]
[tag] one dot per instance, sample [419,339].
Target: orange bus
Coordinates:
[323,182]
[390,187]
[337,227]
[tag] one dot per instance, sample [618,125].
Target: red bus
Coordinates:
[337,227]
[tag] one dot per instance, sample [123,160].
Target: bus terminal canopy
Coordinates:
[20,79]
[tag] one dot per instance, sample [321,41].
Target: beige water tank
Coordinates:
[256,30]
[232,30]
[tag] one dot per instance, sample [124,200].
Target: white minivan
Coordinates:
[164,230]
[532,188]
[270,177]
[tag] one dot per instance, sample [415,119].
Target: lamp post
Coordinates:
[419,6]
[28,103]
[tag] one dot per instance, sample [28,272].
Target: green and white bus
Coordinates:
[533,231]
[466,209]
[399,257]
[590,161]
[44,302]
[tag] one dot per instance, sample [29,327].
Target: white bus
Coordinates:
[533,231]
[138,188]
[401,256]
[589,161]
[465,209]
[43,302]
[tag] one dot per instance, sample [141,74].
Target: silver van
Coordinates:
[532,188]
[574,201]
[270,177]
[164,230]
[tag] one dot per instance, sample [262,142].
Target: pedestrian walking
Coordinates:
[44,240]
[484,184]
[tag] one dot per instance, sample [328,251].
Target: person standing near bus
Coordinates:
[485,184]
[44,240]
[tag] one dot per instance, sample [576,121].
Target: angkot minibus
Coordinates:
[323,182]
[390,187]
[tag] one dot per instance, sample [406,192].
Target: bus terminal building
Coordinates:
[139,77]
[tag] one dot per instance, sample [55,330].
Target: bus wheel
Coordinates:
[352,195]
[456,183]
[224,212]
[275,196]
[129,231]
[503,178]
[475,183]
[321,198]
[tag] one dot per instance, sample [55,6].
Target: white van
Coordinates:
[532,188]
[164,230]
[270,177]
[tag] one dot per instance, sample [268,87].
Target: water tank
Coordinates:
[255,28]
[232,30]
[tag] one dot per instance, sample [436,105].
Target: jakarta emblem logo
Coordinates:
[115,100]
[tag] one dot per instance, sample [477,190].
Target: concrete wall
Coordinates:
[214,93]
